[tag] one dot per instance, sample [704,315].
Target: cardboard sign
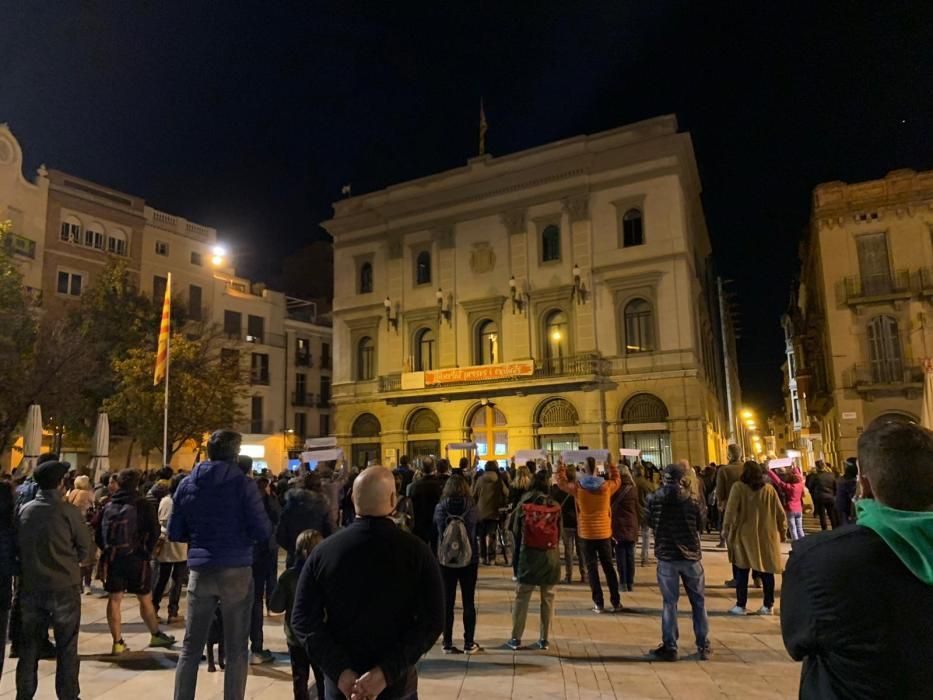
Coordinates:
[530,455]
[575,456]
[781,463]
[333,455]
[628,452]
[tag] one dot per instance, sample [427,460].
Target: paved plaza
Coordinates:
[591,656]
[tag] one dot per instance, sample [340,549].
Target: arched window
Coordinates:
[557,413]
[423,421]
[94,236]
[633,232]
[116,242]
[71,230]
[556,428]
[365,359]
[424,350]
[556,339]
[639,327]
[423,268]
[366,425]
[487,343]
[644,408]
[550,243]
[643,416]
[884,350]
[366,448]
[490,433]
[366,278]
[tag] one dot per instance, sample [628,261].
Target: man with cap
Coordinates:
[675,516]
[52,539]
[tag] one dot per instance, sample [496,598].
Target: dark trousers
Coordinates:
[176,572]
[486,534]
[625,560]
[826,510]
[262,565]
[466,577]
[741,590]
[301,665]
[62,610]
[6,602]
[600,551]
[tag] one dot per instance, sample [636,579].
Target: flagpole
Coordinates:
[168,362]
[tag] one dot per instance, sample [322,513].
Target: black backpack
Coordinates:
[119,529]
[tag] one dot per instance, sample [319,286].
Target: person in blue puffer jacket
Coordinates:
[219,513]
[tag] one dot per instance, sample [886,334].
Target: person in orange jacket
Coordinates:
[592,495]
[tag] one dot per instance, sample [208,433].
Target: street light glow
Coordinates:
[219,251]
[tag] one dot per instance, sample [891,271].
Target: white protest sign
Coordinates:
[530,455]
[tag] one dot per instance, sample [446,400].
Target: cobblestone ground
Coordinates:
[591,656]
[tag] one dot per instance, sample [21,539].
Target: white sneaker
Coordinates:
[764,610]
[738,611]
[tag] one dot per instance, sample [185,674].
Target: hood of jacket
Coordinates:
[591,482]
[908,533]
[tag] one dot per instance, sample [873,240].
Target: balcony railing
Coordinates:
[390,382]
[303,359]
[885,375]
[302,398]
[864,288]
[275,340]
[259,377]
[579,365]
[926,280]
[20,245]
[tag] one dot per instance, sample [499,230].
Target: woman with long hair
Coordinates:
[455,519]
[172,558]
[754,524]
[82,498]
[518,488]
[791,485]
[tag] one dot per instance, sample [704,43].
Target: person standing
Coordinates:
[367,638]
[568,529]
[306,508]
[877,646]
[265,565]
[644,487]
[727,476]
[127,533]
[455,521]
[404,472]
[172,558]
[425,495]
[218,512]
[755,524]
[846,488]
[675,516]
[792,489]
[823,491]
[538,566]
[518,487]
[593,495]
[490,494]
[82,498]
[52,540]
[625,528]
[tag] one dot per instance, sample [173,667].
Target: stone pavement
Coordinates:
[591,656]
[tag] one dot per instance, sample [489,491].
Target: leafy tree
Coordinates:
[204,394]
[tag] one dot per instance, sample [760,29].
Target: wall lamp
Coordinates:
[392,320]
[579,289]
[519,298]
[444,304]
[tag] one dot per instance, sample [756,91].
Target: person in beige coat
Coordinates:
[754,524]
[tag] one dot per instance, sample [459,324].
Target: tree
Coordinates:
[18,332]
[204,394]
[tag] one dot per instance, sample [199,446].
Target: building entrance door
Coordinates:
[419,449]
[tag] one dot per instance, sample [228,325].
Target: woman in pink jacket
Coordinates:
[792,491]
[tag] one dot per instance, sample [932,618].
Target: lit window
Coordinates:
[556,341]
[487,349]
[639,327]
[424,350]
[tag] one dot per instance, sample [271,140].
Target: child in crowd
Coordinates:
[283,599]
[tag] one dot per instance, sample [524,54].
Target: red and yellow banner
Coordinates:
[164,330]
[480,373]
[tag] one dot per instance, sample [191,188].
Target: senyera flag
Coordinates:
[164,329]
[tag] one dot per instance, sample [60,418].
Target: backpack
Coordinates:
[541,526]
[119,530]
[454,550]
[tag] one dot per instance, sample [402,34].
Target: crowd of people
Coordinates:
[374,559]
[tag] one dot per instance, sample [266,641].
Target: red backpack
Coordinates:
[541,527]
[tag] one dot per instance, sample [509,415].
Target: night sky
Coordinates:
[251,118]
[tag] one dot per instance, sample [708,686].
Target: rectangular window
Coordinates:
[98,240]
[233,324]
[301,425]
[325,391]
[158,288]
[325,424]
[70,232]
[259,368]
[70,283]
[196,258]
[255,414]
[325,355]
[194,302]
[302,352]
[874,263]
[254,329]
[550,243]
[115,245]
[301,387]
[161,248]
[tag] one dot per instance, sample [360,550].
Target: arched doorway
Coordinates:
[645,428]
[425,427]
[364,442]
[556,423]
[490,433]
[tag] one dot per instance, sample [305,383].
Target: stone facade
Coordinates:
[554,298]
[858,327]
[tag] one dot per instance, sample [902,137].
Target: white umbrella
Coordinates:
[100,448]
[926,420]
[32,440]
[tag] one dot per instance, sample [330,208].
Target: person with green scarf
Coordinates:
[857,602]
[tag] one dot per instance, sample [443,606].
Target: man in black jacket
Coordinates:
[370,601]
[675,516]
[857,602]
[306,508]
[425,494]
[822,489]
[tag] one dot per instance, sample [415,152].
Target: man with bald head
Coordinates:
[370,600]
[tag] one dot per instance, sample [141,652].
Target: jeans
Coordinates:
[301,672]
[62,609]
[486,534]
[826,510]
[523,593]
[670,574]
[263,564]
[741,590]
[570,539]
[795,521]
[176,570]
[466,577]
[232,589]
[645,543]
[625,560]
[601,551]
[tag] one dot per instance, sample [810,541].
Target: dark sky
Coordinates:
[250,116]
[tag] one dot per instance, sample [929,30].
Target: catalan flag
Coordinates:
[164,330]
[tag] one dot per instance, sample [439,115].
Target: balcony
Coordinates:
[303,359]
[877,288]
[323,401]
[888,378]
[303,398]
[925,276]
[259,377]
[580,365]
[275,340]
[21,246]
